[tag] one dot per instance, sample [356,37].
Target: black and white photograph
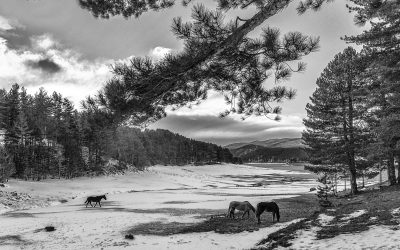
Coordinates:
[200,124]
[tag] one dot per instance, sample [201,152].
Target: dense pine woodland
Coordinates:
[45,136]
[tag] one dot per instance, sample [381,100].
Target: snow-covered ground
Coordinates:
[160,194]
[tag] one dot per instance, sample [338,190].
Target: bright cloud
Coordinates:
[5,24]
[159,53]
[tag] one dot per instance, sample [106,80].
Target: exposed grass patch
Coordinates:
[337,227]
[219,224]
[12,240]
[282,237]
[290,209]
[179,202]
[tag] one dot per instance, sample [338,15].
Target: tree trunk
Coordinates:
[398,169]
[335,184]
[353,179]
[351,142]
[348,131]
[363,180]
[391,169]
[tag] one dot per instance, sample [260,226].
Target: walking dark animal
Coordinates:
[244,206]
[269,207]
[96,199]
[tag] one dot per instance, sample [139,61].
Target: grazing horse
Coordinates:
[96,199]
[241,206]
[269,207]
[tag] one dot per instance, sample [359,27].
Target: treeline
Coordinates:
[45,136]
[255,153]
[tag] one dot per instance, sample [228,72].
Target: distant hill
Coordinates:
[275,150]
[152,147]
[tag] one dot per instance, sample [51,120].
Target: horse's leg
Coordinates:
[258,214]
[100,203]
[273,216]
[244,213]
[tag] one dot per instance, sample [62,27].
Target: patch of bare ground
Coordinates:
[290,209]
[283,236]
[377,209]
[13,201]
[179,202]
[11,240]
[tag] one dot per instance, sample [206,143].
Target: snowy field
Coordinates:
[161,194]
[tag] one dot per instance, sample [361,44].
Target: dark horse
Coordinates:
[269,207]
[96,199]
[244,206]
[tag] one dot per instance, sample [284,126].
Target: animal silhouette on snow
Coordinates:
[96,199]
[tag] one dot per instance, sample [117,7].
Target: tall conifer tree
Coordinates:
[335,123]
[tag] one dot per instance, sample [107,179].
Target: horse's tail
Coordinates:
[87,200]
[229,210]
[278,216]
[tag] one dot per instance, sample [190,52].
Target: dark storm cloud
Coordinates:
[17,38]
[46,65]
[223,131]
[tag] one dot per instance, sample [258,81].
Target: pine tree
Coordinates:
[71,139]
[336,125]
[41,113]
[11,114]
[22,130]
[3,110]
[6,164]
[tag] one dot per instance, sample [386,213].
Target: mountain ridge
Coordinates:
[270,143]
[275,150]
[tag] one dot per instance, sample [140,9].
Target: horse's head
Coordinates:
[104,197]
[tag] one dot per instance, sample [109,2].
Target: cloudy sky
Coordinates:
[56,45]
